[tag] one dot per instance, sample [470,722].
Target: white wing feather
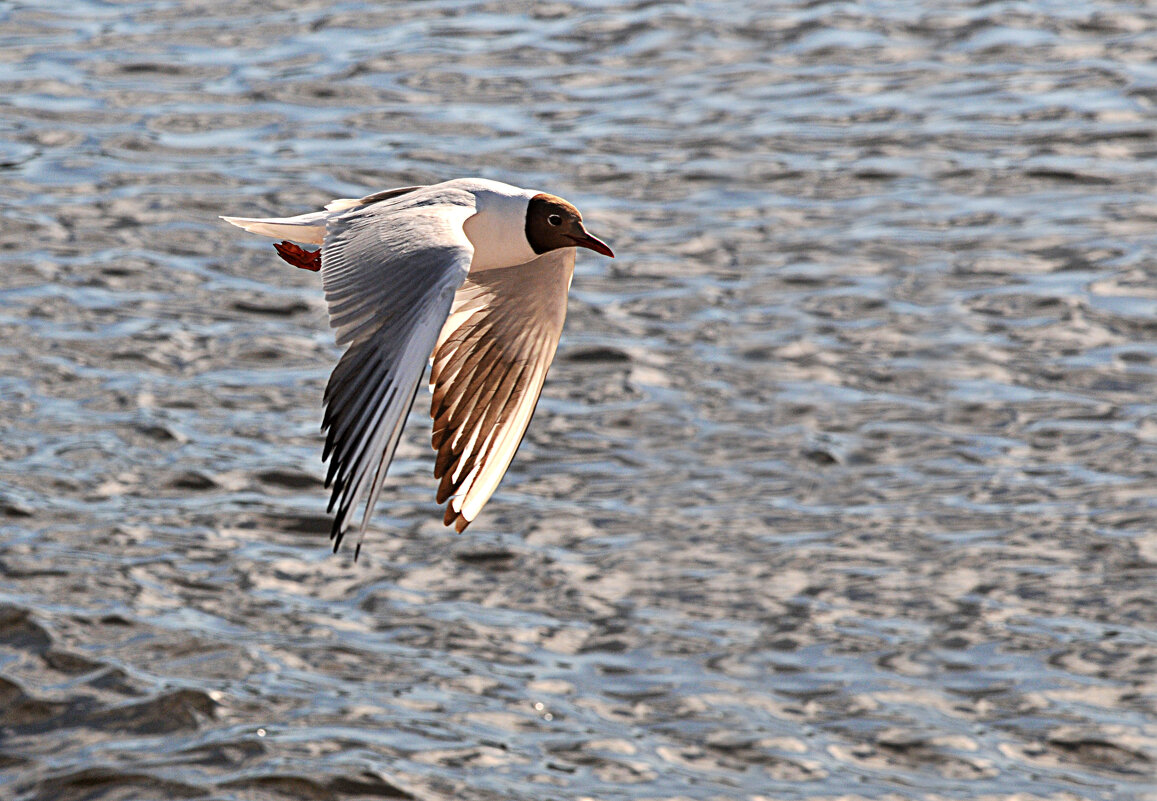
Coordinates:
[390,271]
[489,366]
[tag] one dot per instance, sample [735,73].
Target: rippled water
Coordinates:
[842,485]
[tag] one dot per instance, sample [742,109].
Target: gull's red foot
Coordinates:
[299,256]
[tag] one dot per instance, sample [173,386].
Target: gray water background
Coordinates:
[842,485]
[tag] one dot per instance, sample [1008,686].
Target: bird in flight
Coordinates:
[471,275]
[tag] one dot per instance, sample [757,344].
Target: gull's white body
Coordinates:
[495,229]
[442,272]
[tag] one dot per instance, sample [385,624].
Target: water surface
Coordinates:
[842,484]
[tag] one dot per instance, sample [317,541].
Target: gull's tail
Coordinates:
[308,228]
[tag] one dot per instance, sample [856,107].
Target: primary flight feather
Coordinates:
[470,273]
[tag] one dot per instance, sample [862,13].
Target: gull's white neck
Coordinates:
[498,228]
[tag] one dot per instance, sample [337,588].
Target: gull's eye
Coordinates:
[554,219]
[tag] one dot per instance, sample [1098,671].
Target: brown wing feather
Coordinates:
[489,366]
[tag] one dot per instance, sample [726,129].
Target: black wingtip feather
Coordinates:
[336,533]
[332,478]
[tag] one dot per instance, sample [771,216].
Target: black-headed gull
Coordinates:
[470,273]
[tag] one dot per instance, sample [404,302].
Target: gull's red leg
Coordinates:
[299,256]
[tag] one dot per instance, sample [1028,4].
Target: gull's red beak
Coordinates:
[585,240]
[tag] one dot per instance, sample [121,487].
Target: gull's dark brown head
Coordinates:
[552,223]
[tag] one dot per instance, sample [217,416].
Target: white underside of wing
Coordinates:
[502,443]
[488,370]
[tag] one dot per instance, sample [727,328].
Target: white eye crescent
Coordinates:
[554,219]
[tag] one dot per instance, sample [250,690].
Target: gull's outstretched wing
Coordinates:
[489,365]
[390,271]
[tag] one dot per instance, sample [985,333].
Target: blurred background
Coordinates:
[842,484]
